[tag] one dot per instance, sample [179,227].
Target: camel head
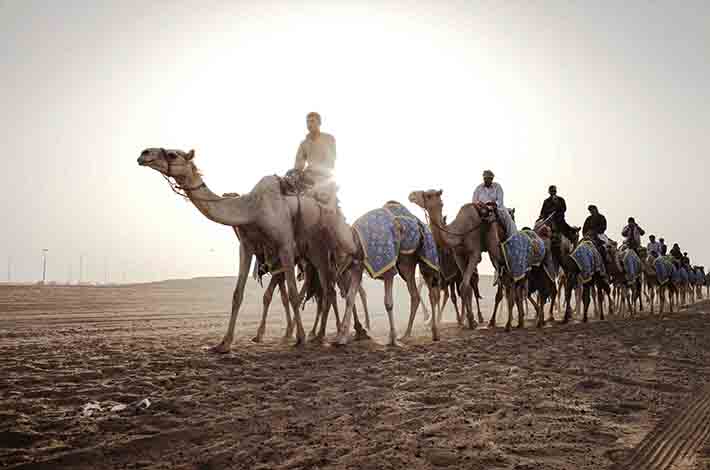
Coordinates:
[427,200]
[172,163]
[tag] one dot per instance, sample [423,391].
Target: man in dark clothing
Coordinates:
[676,253]
[556,207]
[664,247]
[685,261]
[594,226]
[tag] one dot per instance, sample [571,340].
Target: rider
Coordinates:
[490,192]
[664,247]
[653,245]
[633,233]
[594,228]
[676,253]
[556,207]
[316,156]
[315,162]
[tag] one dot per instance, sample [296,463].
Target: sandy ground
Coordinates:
[577,396]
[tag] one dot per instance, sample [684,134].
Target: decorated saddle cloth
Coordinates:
[666,270]
[630,263]
[523,251]
[684,276]
[386,232]
[588,260]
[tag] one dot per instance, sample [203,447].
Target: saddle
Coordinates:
[304,182]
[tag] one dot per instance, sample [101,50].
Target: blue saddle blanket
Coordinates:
[588,260]
[389,231]
[632,265]
[523,251]
[684,276]
[666,270]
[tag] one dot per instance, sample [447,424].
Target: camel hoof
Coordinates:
[361,336]
[435,337]
[316,339]
[394,345]
[221,348]
[540,324]
[491,324]
[507,328]
[341,341]
[256,339]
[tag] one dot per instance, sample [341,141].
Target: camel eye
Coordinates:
[172,156]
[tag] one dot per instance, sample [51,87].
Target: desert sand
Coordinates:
[578,396]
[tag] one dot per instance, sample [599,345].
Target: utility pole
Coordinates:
[44,265]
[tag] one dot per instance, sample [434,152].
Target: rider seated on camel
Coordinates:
[554,208]
[632,234]
[315,160]
[488,197]
[594,228]
[314,171]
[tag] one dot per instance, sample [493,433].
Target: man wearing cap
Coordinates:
[491,192]
[653,245]
[555,207]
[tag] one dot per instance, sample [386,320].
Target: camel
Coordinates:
[665,273]
[585,276]
[624,268]
[404,262]
[450,286]
[462,236]
[529,277]
[651,280]
[267,221]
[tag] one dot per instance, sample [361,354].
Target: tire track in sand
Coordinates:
[671,441]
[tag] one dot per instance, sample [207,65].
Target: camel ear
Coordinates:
[439,192]
[191,154]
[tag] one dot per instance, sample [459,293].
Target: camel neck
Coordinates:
[232,211]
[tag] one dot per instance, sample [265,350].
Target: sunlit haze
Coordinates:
[608,100]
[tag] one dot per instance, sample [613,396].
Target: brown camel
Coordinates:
[267,220]
[463,236]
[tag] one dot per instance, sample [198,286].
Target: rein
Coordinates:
[184,191]
[431,222]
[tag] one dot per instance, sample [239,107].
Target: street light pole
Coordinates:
[44,265]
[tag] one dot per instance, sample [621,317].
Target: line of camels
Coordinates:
[293,230]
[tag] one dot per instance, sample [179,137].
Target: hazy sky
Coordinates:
[608,100]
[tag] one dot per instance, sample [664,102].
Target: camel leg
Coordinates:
[539,309]
[510,300]
[406,270]
[553,299]
[389,306]
[519,293]
[467,291]
[455,302]
[287,306]
[419,291]
[294,296]
[268,296]
[245,256]
[360,332]
[499,297]
[586,292]
[477,294]
[434,293]
[363,298]
[355,281]
[568,299]
[318,320]
[443,304]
